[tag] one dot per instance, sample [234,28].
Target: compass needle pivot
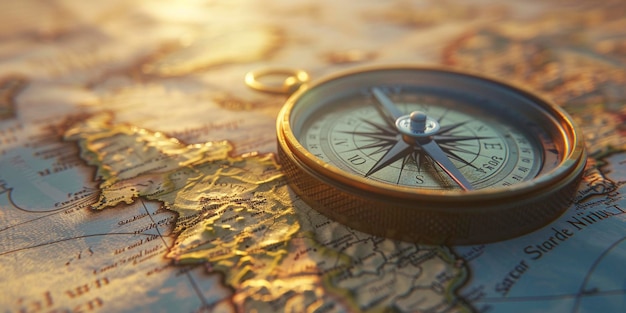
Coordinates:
[420,128]
[418,122]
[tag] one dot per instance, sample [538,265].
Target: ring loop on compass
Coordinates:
[273,80]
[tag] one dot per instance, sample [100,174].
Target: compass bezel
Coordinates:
[547,186]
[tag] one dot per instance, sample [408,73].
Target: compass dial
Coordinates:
[353,135]
[429,155]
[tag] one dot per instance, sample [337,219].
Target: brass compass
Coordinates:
[427,155]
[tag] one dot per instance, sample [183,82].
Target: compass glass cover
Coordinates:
[493,135]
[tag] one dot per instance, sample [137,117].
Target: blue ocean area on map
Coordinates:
[571,264]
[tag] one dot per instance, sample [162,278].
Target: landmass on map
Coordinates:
[237,216]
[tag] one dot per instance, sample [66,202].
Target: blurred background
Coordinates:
[189,57]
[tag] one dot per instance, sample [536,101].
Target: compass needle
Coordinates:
[389,106]
[435,152]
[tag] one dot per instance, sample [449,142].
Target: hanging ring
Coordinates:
[292,80]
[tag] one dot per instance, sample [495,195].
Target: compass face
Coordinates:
[352,134]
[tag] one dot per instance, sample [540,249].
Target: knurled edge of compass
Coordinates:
[423,222]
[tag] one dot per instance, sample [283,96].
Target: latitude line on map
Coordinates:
[192,282]
[581,292]
[28,221]
[52,212]
[552,297]
[19,208]
[68,239]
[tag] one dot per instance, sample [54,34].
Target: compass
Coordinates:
[428,155]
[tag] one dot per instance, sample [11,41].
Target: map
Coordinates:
[138,171]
